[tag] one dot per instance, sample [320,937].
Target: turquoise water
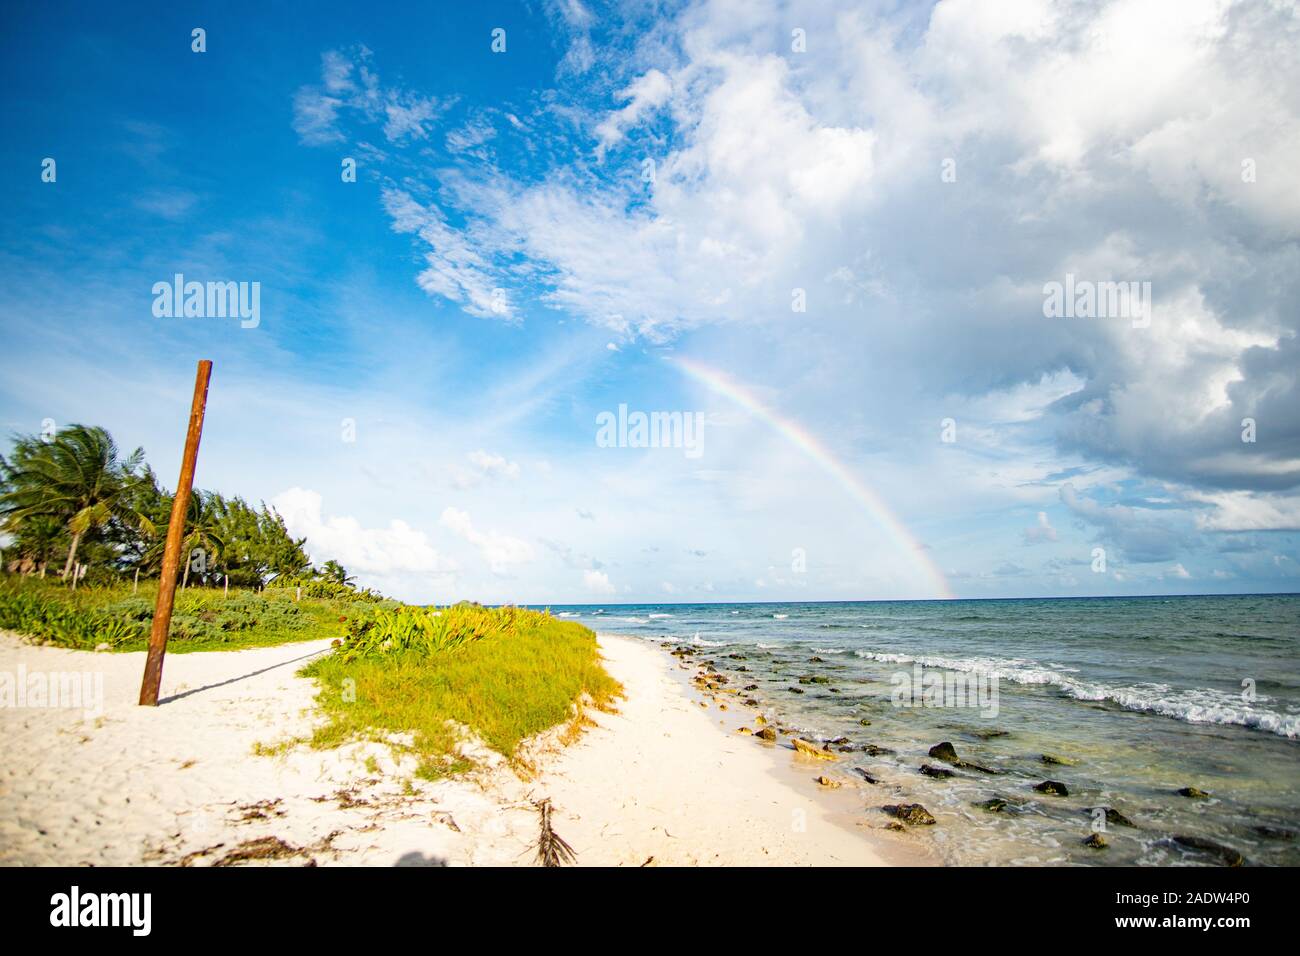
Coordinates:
[1141,696]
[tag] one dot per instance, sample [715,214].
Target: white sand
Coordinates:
[661,780]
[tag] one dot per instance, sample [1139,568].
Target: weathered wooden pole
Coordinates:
[162,614]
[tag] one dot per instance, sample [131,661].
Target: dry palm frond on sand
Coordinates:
[551,848]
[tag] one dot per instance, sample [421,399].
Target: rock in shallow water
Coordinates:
[910,813]
[945,752]
[1226,854]
[812,750]
[938,772]
[948,754]
[1193,793]
[1096,841]
[1058,761]
[1113,816]
[1053,787]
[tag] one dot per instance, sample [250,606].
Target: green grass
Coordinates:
[527,672]
[203,619]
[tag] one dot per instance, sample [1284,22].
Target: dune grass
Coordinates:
[203,619]
[523,673]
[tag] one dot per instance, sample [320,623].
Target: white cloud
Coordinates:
[1248,511]
[597,582]
[645,94]
[384,551]
[501,551]
[1040,533]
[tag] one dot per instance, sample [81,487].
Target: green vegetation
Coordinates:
[503,674]
[71,500]
[506,673]
[204,619]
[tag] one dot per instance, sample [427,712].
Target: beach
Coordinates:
[221,774]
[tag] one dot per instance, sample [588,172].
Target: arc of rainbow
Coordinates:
[810,445]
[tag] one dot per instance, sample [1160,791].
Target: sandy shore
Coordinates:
[218,775]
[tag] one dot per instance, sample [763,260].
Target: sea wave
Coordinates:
[703,642]
[655,617]
[1200,705]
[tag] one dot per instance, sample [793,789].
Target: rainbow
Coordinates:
[810,445]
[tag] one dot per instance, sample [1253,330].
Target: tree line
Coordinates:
[72,504]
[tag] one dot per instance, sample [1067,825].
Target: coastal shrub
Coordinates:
[202,618]
[430,630]
[64,623]
[507,675]
[325,590]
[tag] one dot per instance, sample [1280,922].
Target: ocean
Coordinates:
[1131,699]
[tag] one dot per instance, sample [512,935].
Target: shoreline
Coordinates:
[220,775]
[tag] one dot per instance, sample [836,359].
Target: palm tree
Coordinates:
[203,530]
[77,478]
[333,571]
[36,539]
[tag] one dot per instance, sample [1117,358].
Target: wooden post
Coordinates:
[136,587]
[227,580]
[162,615]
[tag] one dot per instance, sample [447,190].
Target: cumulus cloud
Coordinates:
[394,549]
[917,182]
[597,582]
[1247,511]
[501,551]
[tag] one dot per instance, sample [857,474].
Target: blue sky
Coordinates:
[539,235]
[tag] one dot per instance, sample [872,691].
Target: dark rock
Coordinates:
[1226,854]
[750,687]
[864,775]
[1054,787]
[750,702]
[1193,793]
[939,772]
[990,734]
[864,722]
[767,733]
[1058,761]
[993,805]
[795,690]
[1096,841]
[945,752]
[1113,817]
[871,750]
[815,660]
[1275,833]
[912,814]
[948,754]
